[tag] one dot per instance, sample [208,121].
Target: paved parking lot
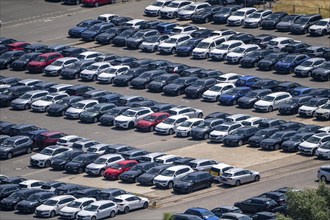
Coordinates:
[49,22]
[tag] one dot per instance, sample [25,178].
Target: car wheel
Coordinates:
[95,120]
[256,178]
[277,147]
[26,106]
[8,66]
[9,155]
[46,108]
[324,32]
[314,114]
[170,185]
[291,70]
[47,163]
[171,131]
[62,113]
[28,150]
[77,2]
[323,179]
[112,214]
[309,73]
[93,218]
[234,102]
[200,115]
[52,214]
[111,81]
[173,50]
[206,20]
[175,15]
[314,151]
[206,136]
[102,172]
[238,183]
[190,190]
[152,128]
[270,109]
[136,179]
[209,185]
[76,76]
[96,4]
[240,143]
[178,92]
[145,205]
[126,210]
[80,170]
[131,125]
[94,78]
[146,85]
[207,55]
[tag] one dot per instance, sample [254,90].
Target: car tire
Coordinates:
[145,205]
[126,210]
[178,92]
[94,78]
[190,190]
[9,155]
[173,50]
[95,120]
[175,15]
[96,4]
[237,183]
[136,179]
[26,106]
[28,150]
[80,170]
[240,143]
[8,66]
[170,185]
[207,55]
[277,147]
[131,125]
[256,178]
[324,32]
[234,102]
[323,179]
[76,76]
[146,85]
[93,218]
[62,113]
[171,131]
[152,128]
[314,152]
[206,20]
[77,2]
[209,184]
[102,172]
[112,214]
[47,164]
[52,214]
[200,115]
[206,136]
[270,109]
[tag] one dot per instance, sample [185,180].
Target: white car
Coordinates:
[106,17]
[238,16]
[129,118]
[322,27]
[313,143]
[68,141]
[29,82]
[309,108]
[169,45]
[325,129]
[98,167]
[25,100]
[154,8]
[254,19]
[167,178]
[203,48]
[279,42]
[202,164]
[183,29]
[186,12]
[221,51]
[59,88]
[306,68]
[272,101]
[128,202]
[238,176]
[169,125]
[173,8]
[323,113]
[108,75]
[134,23]
[150,44]
[93,70]
[55,68]
[98,210]
[77,108]
[187,111]
[223,130]
[43,159]
[213,93]
[71,210]
[43,104]
[31,184]
[323,151]
[229,78]
[218,169]
[253,121]
[89,55]
[183,130]
[166,159]
[238,53]
[237,117]
[98,149]
[52,206]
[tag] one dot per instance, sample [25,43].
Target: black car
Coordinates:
[287,21]
[94,113]
[268,63]
[291,106]
[206,14]
[196,89]
[296,47]
[144,103]
[95,94]
[220,211]
[152,24]
[120,20]
[203,130]
[176,68]
[51,185]
[6,40]
[322,73]
[7,189]
[158,64]
[286,87]
[209,73]
[22,129]
[183,161]
[3,49]
[251,59]
[256,204]
[56,48]
[252,97]
[140,63]
[320,92]
[79,163]
[44,85]
[10,202]
[67,189]
[302,24]
[132,175]
[191,71]
[8,57]
[12,93]
[272,20]
[146,179]
[22,61]
[108,117]
[240,136]
[106,37]
[88,192]
[222,115]
[39,48]
[134,154]
[73,71]
[73,51]
[309,128]
[255,140]
[12,180]
[145,78]
[264,216]
[124,79]
[59,108]
[246,38]
[161,107]
[109,98]
[291,126]
[158,83]
[110,193]
[275,141]
[60,161]
[262,39]
[11,81]
[5,127]
[265,84]
[136,39]
[120,39]
[193,181]
[202,33]
[78,90]
[125,60]
[292,144]
[279,198]
[29,204]
[178,86]
[118,149]
[224,13]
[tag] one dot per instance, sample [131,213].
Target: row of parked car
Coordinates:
[68,201]
[236,15]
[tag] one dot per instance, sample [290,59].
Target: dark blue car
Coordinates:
[301,90]
[165,28]
[246,81]
[96,29]
[186,48]
[231,97]
[288,63]
[81,27]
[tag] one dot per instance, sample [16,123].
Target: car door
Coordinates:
[103,211]
[248,176]
[19,147]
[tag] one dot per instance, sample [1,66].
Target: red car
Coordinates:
[115,170]
[38,65]
[96,3]
[149,122]
[18,45]
[47,138]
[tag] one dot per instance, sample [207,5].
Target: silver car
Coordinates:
[323,173]
[25,101]
[238,176]
[100,164]
[55,68]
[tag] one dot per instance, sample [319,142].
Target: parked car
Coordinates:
[7,58]
[71,210]
[323,173]
[148,177]
[269,61]
[218,134]
[223,211]
[250,98]
[128,202]
[53,206]
[309,108]
[79,163]
[61,160]
[13,199]
[178,86]
[166,178]
[311,145]
[77,108]
[256,204]
[203,130]
[15,145]
[302,24]
[196,89]
[238,16]
[272,101]
[291,106]
[29,204]
[171,10]
[322,72]
[251,59]
[154,8]
[231,96]
[272,20]
[291,145]
[114,170]
[255,19]
[224,13]
[39,64]
[240,136]
[169,125]
[81,27]
[323,113]
[44,158]
[286,22]
[132,174]
[322,27]
[193,181]
[201,213]
[184,129]
[94,113]
[275,141]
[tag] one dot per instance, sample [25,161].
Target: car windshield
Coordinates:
[95,109]
[302,20]
[154,170]
[156,3]
[314,140]
[288,18]
[227,175]
[307,63]
[83,24]
[223,128]
[137,168]
[150,118]
[173,5]
[169,121]
[190,8]
[91,208]
[321,23]
[291,101]
[47,152]
[232,91]
[203,45]
[239,13]
[251,94]
[47,98]
[238,50]
[63,101]
[92,67]
[170,40]
[146,74]
[113,111]
[326,145]
[50,202]
[75,66]
[262,133]
[255,15]
[296,137]
[100,160]
[79,159]
[273,43]
[74,204]
[179,81]
[64,155]
[161,79]
[325,65]
[6,56]
[152,39]
[198,83]
[40,59]
[95,28]
[223,47]
[129,113]
[186,124]
[25,57]
[7,143]
[276,136]
[57,63]
[16,195]
[188,179]
[117,166]
[138,35]
[33,198]
[167,173]
[78,105]
[239,132]
[268,98]
[204,124]
[327,106]
[312,103]
[224,11]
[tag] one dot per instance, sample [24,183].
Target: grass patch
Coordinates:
[303,7]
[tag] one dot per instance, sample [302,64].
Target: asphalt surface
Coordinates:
[45,22]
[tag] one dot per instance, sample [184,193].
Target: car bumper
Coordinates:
[181,133]
[121,124]
[161,131]
[37,163]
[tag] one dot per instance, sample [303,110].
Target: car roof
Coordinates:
[101,202]
[177,167]
[87,101]
[175,117]
[61,197]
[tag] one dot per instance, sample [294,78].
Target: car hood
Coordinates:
[246,99]
[264,61]
[106,35]
[321,70]
[74,164]
[148,176]
[211,93]
[58,161]
[41,103]
[3,96]
[28,203]
[186,12]
[163,178]
[200,130]
[10,200]
[219,133]
[183,184]
[44,208]
[5,149]
[133,39]
[297,26]
[57,106]
[284,24]
[164,126]
[70,209]
[184,48]
[233,137]
[152,7]
[52,68]
[168,9]
[20,62]
[106,75]
[284,106]
[70,70]
[322,110]
[139,80]
[88,114]
[166,45]
[88,71]
[290,143]
[74,110]
[308,144]
[157,84]
[226,96]
[308,108]
[4,60]
[217,51]
[193,88]
[323,150]
[95,166]
[124,118]
[252,19]
[77,29]
[86,213]
[235,18]
[89,33]
[110,170]
[234,54]
[315,27]
[36,63]
[145,123]
[263,103]
[40,157]
[173,86]
[249,59]
[303,68]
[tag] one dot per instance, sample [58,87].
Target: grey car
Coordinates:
[25,101]
[323,173]
[55,68]
[15,145]
[238,176]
